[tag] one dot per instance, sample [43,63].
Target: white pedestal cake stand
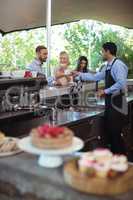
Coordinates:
[50,158]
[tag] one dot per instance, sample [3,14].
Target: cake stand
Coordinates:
[50,158]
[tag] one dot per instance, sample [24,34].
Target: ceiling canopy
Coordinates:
[26,14]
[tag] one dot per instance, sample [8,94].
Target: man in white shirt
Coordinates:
[37,63]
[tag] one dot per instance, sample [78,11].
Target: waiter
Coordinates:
[37,63]
[115,76]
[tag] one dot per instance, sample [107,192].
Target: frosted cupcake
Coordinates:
[119,163]
[86,167]
[102,155]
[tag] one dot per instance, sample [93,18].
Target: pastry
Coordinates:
[8,145]
[102,169]
[2,136]
[51,137]
[102,155]
[86,167]
[119,163]
[86,164]
[102,163]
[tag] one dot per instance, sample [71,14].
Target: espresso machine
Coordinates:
[20,106]
[19,96]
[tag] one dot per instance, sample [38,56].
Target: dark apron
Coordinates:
[114,120]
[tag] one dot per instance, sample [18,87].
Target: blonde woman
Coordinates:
[62,73]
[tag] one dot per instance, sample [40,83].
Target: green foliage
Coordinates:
[18,49]
[86,38]
[80,38]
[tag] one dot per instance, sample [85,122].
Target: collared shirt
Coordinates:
[35,66]
[119,72]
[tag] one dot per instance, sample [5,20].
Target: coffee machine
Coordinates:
[20,96]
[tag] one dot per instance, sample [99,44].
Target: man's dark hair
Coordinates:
[39,48]
[111,47]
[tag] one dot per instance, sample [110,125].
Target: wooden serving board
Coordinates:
[95,185]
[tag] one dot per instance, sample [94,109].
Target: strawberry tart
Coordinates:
[51,137]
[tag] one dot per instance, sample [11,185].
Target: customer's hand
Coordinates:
[75,73]
[100,93]
[68,77]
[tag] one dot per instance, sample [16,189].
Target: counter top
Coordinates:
[53,91]
[101,102]
[70,117]
[64,118]
[23,177]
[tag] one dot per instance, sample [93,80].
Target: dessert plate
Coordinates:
[11,152]
[50,158]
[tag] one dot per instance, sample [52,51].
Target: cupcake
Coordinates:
[102,169]
[102,155]
[102,163]
[86,167]
[119,163]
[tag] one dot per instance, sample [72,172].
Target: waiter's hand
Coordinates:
[75,73]
[100,93]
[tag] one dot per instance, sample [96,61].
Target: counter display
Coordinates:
[22,179]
